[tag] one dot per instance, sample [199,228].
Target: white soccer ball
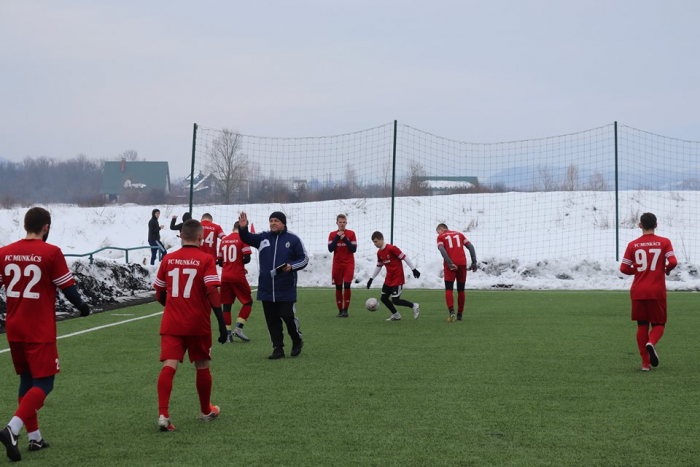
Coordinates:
[372,304]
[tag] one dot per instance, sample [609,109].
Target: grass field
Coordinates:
[528,378]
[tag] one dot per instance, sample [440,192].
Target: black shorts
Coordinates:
[393,290]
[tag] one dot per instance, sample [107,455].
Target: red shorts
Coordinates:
[460,274]
[173,347]
[230,291]
[40,360]
[342,274]
[653,311]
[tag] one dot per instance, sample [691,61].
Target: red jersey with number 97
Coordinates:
[454,243]
[31,270]
[646,257]
[212,232]
[185,274]
[231,252]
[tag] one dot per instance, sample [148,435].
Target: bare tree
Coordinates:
[571,180]
[547,179]
[227,163]
[597,182]
[414,184]
[130,155]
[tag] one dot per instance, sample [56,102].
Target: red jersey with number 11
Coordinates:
[31,270]
[454,243]
[185,274]
[231,252]
[646,258]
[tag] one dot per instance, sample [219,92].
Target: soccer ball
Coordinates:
[372,304]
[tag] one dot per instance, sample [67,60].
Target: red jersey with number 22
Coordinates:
[231,252]
[646,258]
[185,274]
[211,233]
[31,270]
[391,257]
[454,243]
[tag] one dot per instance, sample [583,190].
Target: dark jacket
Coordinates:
[275,250]
[153,227]
[185,217]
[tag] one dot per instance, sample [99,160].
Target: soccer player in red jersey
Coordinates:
[31,270]
[648,258]
[186,284]
[233,256]
[212,233]
[451,245]
[390,257]
[343,244]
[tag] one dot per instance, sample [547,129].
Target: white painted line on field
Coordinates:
[100,327]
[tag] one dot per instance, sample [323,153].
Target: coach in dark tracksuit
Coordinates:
[154,235]
[282,254]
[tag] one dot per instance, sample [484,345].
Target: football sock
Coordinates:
[204,389]
[165,387]
[450,299]
[387,302]
[402,302]
[34,435]
[460,300]
[240,323]
[32,423]
[227,319]
[656,333]
[244,314]
[339,299]
[346,298]
[32,401]
[642,339]
[16,425]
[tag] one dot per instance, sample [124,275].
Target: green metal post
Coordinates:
[617,204]
[393,186]
[127,256]
[194,148]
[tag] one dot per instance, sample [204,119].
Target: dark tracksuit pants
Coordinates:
[275,314]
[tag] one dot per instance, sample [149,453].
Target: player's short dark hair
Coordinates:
[35,219]
[191,230]
[207,217]
[444,226]
[341,216]
[648,221]
[377,236]
[236,225]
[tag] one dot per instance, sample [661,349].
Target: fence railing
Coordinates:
[126,251]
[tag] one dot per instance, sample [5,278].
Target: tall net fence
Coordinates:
[572,199]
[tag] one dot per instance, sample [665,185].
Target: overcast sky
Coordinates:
[100,77]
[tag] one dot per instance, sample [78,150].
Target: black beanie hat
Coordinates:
[186,216]
[279,215]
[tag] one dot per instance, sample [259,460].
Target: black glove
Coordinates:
[369,283]
[416,273]
[220,262]
[84,309]
[223,335]
[474,267]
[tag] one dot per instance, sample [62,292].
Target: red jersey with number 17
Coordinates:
[231,252]
[646,258]
[211,233]
[31,270]
[342,256]
[185,274]
[454,243]
[390,257]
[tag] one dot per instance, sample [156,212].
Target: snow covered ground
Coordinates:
[555,240]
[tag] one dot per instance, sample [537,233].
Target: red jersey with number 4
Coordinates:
[454,243]
[231,252]
[646,258]
[211,233]
[390,257]
[31,270]
[185,274]
[342,256]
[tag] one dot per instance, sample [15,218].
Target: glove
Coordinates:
[474,267]
[369,283]
[416,273]
[84,309]
[223,335]
[220,262]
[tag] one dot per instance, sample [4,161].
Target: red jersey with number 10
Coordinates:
[31,270]
[185,274]
[211,233]
[231,252]
[646,258]
[391,257]
[342,256]
[454,243]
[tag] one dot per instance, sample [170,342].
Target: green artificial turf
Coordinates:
[528,378]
